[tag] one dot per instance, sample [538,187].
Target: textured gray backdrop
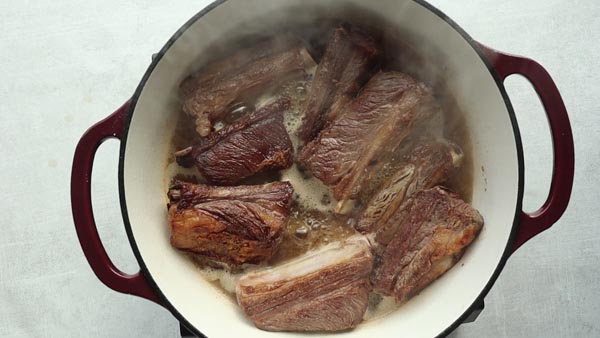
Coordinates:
[66,64]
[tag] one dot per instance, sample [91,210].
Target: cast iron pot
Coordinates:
[475,74]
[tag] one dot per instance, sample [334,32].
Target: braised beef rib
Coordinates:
[324,290]
[232,225]
[349,57]
[209,92]
[431,237]
[424,167]
[373,126]
[256,143]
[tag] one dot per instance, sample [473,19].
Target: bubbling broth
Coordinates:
[313,222]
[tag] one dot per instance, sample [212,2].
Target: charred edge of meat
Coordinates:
[174,192]
[184,157]
[349,59]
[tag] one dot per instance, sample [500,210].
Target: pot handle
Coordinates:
[81,205]
[562,141]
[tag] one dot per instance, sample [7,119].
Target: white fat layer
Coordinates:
[313,261]
[385,306]
[227,279]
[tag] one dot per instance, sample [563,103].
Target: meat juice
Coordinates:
[313,222]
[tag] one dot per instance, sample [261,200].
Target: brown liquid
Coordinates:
[309,229]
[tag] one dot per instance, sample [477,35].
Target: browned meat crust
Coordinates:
[253,144]
[208,93]
[233,225]
[348,60]
[374,125]
[431,237]
[325,290]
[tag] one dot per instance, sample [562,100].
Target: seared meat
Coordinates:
[235,61]
[344,68]
[257,142]
[431,238]
[324,290]
[208,93]
[374,125]
[427,166]
[232,225]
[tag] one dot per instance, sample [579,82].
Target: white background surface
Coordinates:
[67,64]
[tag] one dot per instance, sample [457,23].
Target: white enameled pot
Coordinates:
[474,72]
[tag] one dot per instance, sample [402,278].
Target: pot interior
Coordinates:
[495,160]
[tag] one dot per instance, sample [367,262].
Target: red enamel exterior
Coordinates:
[562,141]
[81,205]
